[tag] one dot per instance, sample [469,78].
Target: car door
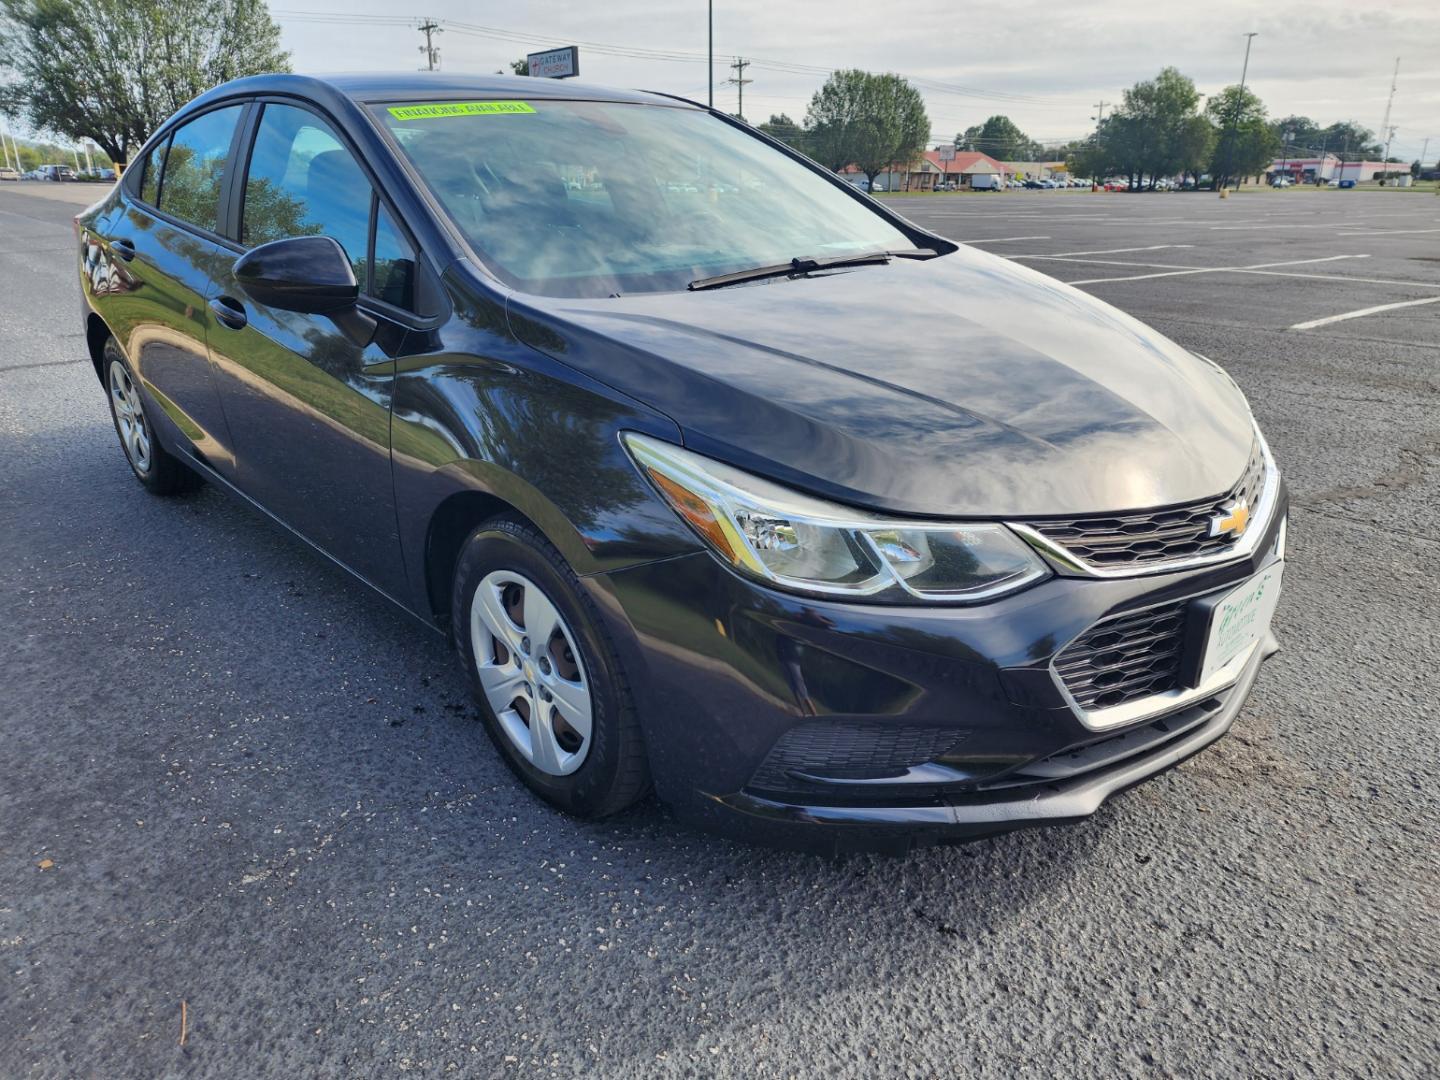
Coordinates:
[307,398]
[159,254]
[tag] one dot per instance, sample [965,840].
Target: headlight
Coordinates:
[809,545]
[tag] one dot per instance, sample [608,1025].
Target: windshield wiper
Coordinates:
[800,266]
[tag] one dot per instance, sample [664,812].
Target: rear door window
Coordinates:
[150,178]
[194,172]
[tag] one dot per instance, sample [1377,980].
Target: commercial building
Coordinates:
[930,172]
[1307,170]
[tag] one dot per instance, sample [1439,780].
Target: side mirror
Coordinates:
[308,274]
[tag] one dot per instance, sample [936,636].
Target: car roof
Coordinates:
[366,87]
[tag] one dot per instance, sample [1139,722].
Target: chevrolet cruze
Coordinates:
[725,480]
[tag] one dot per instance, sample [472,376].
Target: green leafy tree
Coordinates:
[112,71]
[520,67]
[1351,141]
[1194,147]
[782,128]
[1159,110]
[1304,134]
[1002,139]
[870,121]
[1246,144]
[1156,131]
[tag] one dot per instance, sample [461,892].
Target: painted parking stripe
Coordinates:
[1313,323]
[1105,251]
[1214,270]
[1389,232]
[1003,239]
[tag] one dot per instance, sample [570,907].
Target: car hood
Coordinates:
[966,385]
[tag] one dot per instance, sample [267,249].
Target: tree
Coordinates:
[112,72]
[1246,144]
[782,128]
[1304,133]
[1159,110]
[870,121]
[519,67]
[1194,147]
[1001,138]
[1351,141]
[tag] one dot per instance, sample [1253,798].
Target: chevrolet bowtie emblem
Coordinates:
[1233,520]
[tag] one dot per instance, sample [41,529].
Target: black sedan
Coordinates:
[724,479]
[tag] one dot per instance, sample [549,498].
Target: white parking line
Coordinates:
[1214,270]
[1404,282]
[1003,239]
[1106,251]
[1388,232]
[1362,312]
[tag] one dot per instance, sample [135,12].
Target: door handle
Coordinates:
[229,312]
[124,248]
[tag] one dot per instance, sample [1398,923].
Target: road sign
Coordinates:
[562,63]
[946,153]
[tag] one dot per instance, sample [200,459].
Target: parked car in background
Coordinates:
[837,533]
[56,172]
[7,173]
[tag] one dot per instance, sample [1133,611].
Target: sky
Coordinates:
[1044,63]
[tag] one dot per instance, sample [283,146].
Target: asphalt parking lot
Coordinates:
[233,782]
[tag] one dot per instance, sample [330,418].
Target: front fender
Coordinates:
[491,424]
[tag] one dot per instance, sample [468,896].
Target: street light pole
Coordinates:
[1239,104]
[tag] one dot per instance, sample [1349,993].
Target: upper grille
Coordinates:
[1155,536]
[1122,659]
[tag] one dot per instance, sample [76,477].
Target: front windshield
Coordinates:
[590,198]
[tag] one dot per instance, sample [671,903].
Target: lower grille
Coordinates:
[1125,658]
[850,750]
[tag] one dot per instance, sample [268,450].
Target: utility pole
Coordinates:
[739,67]
[1423,151]
[432,52]
[1099,116]
[711,68]
[1239,104]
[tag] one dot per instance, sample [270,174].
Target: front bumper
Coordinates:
[731,677]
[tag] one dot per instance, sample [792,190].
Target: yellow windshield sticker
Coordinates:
[459,108]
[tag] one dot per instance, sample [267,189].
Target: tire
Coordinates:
[517,681]
[156,468]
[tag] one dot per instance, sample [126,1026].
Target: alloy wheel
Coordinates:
[130,418]
[530,671]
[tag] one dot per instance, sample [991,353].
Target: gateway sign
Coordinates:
[563,63]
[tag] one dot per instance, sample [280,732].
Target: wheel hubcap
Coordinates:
[130,418]
[530,671]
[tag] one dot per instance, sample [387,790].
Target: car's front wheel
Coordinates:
[548,682]
[160,471]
